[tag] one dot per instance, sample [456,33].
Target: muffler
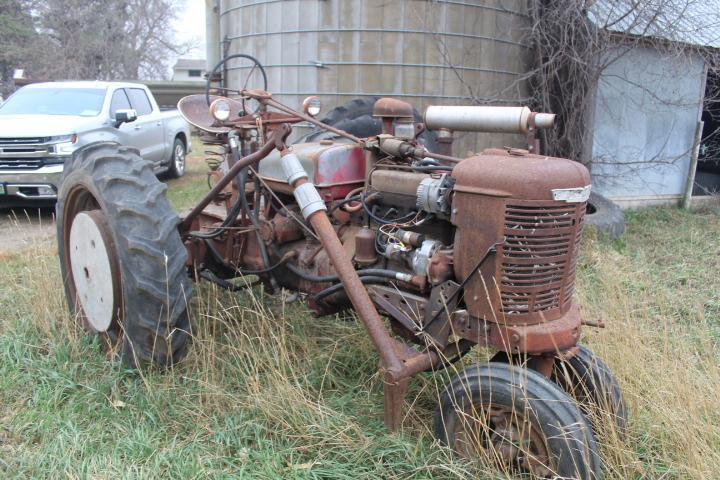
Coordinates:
[486,119]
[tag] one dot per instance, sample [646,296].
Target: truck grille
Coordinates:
[24,153]
[22,141]
[539,255]
[21,163]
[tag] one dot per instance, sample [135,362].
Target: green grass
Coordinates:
[184,192]
[268,391]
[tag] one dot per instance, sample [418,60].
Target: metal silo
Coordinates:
[422,51]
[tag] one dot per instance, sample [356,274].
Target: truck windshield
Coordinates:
[85,102]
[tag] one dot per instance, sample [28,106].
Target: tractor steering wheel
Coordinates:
[256,65]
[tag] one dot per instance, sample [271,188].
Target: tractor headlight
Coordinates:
[312,106]
[220,109]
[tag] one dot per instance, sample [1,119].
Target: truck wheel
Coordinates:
[121,257]
[588,379]
[177,159]
[606,216]
[518,419]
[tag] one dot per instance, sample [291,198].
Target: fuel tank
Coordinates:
[519,219]
[334,168]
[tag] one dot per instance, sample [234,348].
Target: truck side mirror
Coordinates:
[126,115]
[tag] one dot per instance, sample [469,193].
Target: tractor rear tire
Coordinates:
[121,256]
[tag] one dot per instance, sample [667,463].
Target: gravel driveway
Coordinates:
[21,229]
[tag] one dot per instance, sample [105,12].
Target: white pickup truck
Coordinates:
[42,124]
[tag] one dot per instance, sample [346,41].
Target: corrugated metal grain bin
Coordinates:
[425,52]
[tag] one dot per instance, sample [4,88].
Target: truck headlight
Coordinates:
[220,109]
[62,144]
[63,139]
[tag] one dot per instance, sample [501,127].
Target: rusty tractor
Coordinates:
[435,254]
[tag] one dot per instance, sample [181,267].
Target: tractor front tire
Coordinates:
[121,257]
[588,379]
[518,419]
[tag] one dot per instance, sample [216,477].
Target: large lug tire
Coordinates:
[518,419]
[176,168]
[605,216]
[121,257]
[588,379]
[355,117]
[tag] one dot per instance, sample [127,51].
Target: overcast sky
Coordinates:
[190,27]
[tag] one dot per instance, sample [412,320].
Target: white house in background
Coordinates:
[648,104]
[189,70]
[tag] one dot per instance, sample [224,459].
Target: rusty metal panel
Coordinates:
[478,229]
[507,200]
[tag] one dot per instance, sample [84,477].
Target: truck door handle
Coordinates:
[138,127]
[159,124]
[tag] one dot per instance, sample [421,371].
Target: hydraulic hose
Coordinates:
[382,221]
[368,280]
[376,272]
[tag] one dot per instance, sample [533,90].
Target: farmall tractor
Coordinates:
[435,254]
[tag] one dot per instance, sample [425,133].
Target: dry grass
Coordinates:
[268,391]
[659,292]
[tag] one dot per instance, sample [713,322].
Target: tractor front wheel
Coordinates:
[121,257]
[588,379]
[517,419]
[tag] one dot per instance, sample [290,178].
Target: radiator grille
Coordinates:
[539,255]
[21,163]
[25,153]
[23,140]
